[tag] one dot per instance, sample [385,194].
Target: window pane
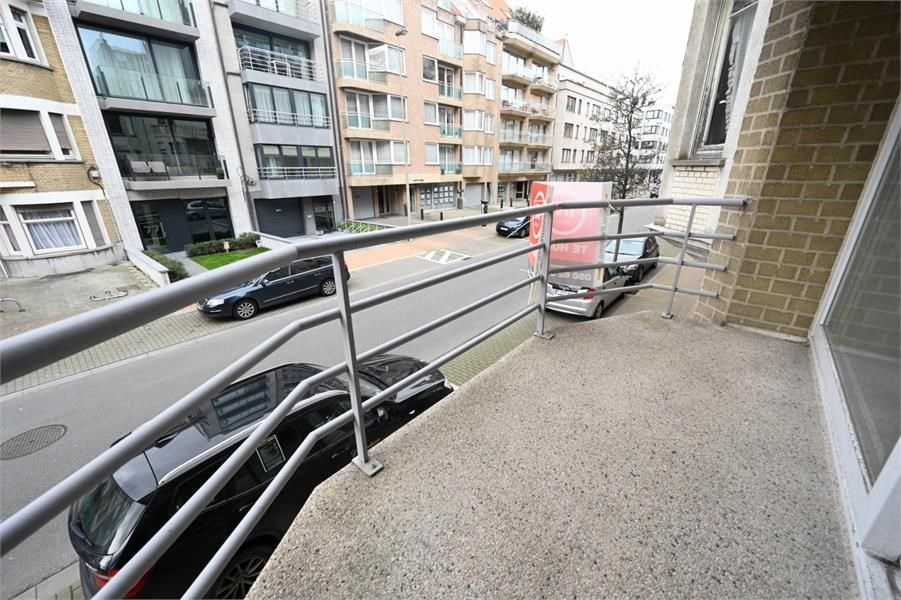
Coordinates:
[429,68]
[431,112]
[51,227]
[397,107]
[864,324]
[431,153]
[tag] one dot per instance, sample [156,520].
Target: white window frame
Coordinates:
[489,123]
[74,219]
[425,58]
[425,113]
[7,38]
[479,117]
[429,20]
[437,157]
[873,525]
[491,53]
[391,116]
[43,108]
[393,160]
[480,82]
[11,27]
[386,68]
[490,88]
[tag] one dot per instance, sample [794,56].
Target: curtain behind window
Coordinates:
[51,228]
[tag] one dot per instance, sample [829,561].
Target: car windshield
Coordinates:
[367,388]
[106,517]
[630,247]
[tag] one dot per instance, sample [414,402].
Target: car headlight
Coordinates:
[630,267]
[215,302]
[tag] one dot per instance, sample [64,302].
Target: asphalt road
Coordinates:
[100,406]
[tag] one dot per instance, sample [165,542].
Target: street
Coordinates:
[99,406]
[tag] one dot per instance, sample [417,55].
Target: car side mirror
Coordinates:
[264,282]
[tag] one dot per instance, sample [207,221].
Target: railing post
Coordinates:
[544,265]
[672,297]
[366,463]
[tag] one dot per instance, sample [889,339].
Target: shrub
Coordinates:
[177,271]
[242,242]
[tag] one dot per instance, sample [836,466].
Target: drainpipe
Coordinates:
[248,201]
[333,96]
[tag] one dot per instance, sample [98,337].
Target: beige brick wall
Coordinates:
[39,81]
[824,89]
[691,182]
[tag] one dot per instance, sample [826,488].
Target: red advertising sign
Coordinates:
[570,223]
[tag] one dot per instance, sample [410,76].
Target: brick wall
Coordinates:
[39,81]
[691,182]
[824,88]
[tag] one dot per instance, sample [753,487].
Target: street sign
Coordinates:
[569,223]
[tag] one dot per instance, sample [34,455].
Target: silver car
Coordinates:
[590,306]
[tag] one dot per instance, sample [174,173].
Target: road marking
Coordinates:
[443,257]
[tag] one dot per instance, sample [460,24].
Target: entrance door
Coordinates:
[323,214]
[857,350]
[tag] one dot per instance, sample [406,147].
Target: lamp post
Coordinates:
[399,33]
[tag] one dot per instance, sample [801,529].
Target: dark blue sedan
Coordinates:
[302,278]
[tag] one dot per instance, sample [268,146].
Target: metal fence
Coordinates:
[297,173]
[277,63]
[29,351]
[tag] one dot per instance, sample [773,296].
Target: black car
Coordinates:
[300,279]
[111,523]
[518,227]
[631,249]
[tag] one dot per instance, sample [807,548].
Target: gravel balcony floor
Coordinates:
[631,456]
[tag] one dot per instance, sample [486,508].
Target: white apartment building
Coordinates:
[654,136]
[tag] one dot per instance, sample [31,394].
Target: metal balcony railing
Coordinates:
[542,110]
[167,167]
[451,131]
[113,82]
[450,168]
[352,69]
[173,11]
[514,137]
[258,115]
[522,166]
[516,70]
[297,173]
[451,49]
[40,347]
[543,81]
[530,34]
[354,14]
[257,59]
[517,105]
[365,121]
[446,90]
[292,8]
[538,139]
[369,169]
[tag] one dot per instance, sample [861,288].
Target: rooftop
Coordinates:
[692,460]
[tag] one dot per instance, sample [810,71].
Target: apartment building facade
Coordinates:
[656,123]
[583,113]
[55,216]
[795,107]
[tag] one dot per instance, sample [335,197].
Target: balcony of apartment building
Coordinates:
[268,67]
[292,171]
[294,18]
[539,140]
[515,108]
[516,73]
[528,41]
[354,19]
[357,125]
[450,94]
[169,19]
[536,168]
[451,51]
[362,76]
[542,84]
[541,112]
[513,137]
[177,171]
[159,78]
[280,116]
[450,133]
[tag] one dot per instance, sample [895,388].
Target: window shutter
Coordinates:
[21,131]
[61,134]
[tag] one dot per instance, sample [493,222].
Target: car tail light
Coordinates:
[591,292]
[101,579]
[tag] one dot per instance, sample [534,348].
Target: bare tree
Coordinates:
[617,150]
[527,17]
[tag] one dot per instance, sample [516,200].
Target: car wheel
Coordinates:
[599,311]
[328,287]
[241,572]
[639,275]
[245,309]
[523,232]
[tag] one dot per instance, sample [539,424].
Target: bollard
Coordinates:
[441,216]
[422,214]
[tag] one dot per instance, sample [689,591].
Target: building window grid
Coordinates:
[51,228]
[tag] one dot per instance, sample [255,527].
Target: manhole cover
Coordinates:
[31,441]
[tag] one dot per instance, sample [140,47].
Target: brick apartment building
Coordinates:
[54,214]
[794,105]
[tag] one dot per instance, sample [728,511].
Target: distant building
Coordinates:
[656,123]
[54,213]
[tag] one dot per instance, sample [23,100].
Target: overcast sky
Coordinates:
[607,37]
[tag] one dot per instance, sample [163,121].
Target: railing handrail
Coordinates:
[302,11]
[258,115]
[279,63]
[28,351]
[297,172]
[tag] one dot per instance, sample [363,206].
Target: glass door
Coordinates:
[857,351]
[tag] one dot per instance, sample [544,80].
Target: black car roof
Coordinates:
[238,407]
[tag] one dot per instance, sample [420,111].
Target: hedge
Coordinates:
[242,242]
[177,271]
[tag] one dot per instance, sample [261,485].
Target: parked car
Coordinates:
[111,523]
[518,227]
[300,279]
[631,249]
[591,306]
